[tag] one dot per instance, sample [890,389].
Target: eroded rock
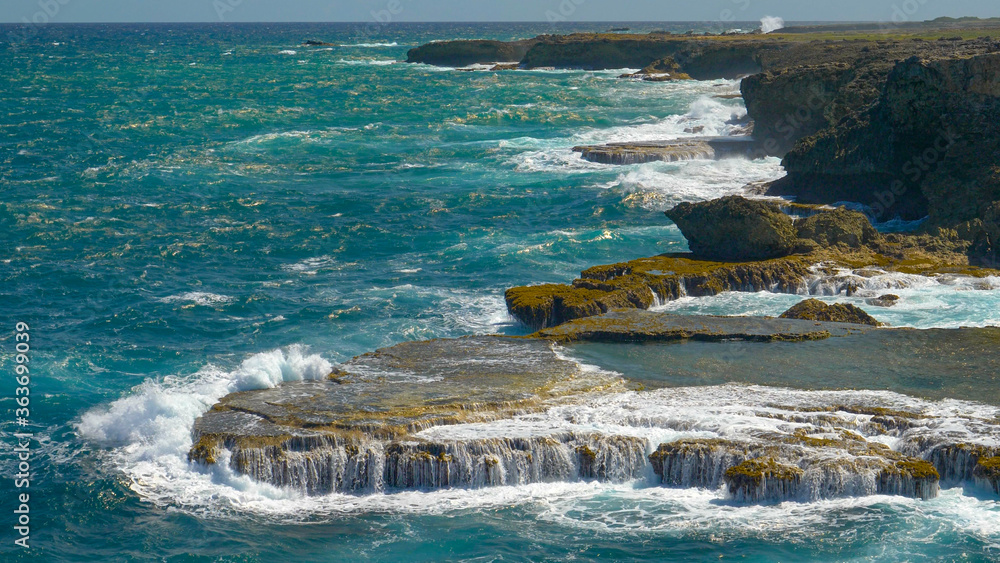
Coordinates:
[816,310]
[839,226]
[668,151]
[735,228]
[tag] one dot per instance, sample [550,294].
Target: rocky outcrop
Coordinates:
[841,226]
[356,430]
[468,52]
[631,325]
[798,466]
[985,236]
[813,85]
[500,411]
[668,151]
[663,70]
[643,283]
[816,310]
[843,252]
[735,228]
[701,59]
[789,104]
[924,148]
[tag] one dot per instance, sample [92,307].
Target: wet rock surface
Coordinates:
[839,227]
[355,430]
[632,325]
[668,151]
[492,411]
[816,310]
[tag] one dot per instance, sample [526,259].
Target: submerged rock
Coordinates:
[816,310]
[887,300]
[735,228]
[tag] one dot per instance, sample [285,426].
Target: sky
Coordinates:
[67,11]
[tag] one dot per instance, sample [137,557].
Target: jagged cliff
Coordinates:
[697,58]
[926,147]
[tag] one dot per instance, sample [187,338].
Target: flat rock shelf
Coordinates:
[498,411]
[668,151]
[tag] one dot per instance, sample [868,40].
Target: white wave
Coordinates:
[452,311]
[393,44]
[201,298]
[314,265]
[730,411]
[940,301]
[287,52]
[373,62]
[664,184]
[771,23]
[157,417]
[151,431]
[306,136]
[658,185]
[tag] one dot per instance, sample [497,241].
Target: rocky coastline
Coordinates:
[897,123]
[470,413]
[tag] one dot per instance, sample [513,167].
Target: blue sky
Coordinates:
[483,10]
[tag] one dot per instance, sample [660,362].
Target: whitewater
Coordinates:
[191,211]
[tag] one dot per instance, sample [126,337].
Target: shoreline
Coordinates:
[407,428]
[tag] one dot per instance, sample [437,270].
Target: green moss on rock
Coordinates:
[816,310]
[840,226]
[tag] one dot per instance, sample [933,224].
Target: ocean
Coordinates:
[192,210]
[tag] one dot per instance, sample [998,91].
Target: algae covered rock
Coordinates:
[816,310]
[758,480]
[840,226]
[735,228]
[987,473]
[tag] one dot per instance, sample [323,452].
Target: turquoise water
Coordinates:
[193,210]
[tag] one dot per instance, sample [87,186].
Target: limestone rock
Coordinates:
[668,151]
[927,146]
[816,310]
[840,226]
[735,228]
[662,70]
[887,300]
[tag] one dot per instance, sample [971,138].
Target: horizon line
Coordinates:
[366,22]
